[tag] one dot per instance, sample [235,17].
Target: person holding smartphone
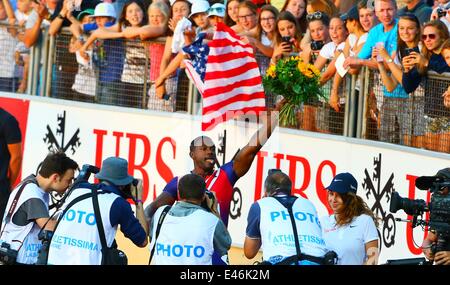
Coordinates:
[287,38]
[408,45]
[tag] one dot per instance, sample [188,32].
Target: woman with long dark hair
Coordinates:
[351,230]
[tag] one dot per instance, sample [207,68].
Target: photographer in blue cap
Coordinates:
[77,239]
[350,230]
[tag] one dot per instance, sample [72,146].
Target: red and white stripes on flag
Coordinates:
[233,82]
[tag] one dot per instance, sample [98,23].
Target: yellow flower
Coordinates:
[314,69]
[271,71]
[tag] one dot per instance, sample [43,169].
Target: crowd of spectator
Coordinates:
[113,66]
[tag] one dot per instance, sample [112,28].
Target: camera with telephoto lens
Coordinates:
[317,45]
[8,256]
[439,207]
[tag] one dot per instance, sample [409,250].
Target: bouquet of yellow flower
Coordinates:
[297,81]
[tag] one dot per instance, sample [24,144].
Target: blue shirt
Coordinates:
[122,214]
[376,35]
[389,39]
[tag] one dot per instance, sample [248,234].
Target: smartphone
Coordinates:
[408,51]
[317,45]
[287,39]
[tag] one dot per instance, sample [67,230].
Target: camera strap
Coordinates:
[158,229]
[11,210]
[288,206]
[99,222]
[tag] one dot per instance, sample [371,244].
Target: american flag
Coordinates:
[232,82]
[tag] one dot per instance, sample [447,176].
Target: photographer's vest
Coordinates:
[76,239]
[24,238]
[276,229]
[184,240]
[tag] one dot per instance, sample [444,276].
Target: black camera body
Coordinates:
[205,203]
[439,208]
[45,236]
[441,12]
[8,256]
[317,45]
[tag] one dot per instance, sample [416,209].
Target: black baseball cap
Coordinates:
[352,14]
[343,183]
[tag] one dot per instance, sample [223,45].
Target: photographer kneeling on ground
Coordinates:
[76,239]
[189,233]
[434,246]
[27,209]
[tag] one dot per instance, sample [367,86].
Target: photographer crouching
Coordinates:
[27,209]
[436,246]
[86,230]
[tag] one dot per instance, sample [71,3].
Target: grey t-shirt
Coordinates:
[29,211]
[221,240]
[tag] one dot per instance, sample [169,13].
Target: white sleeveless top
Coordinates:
[24,238]
[277,235]
[76,239]
[184,240]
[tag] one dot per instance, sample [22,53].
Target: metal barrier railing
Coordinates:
[122,73]
[419,120]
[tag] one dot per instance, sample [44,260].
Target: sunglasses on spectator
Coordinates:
[217,9]
[248,17]
[314,16]
[430,36]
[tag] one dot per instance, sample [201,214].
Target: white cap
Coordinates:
[199,6]
[218,10]
[104,10]
[173,1]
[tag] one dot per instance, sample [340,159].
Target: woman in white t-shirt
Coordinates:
[351,230]
[355,41]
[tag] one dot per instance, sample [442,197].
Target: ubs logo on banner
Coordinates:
[54,143]
[379,189]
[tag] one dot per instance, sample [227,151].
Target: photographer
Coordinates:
[431,242]
[76,239]
[27,208]
[275,221]
[189,234]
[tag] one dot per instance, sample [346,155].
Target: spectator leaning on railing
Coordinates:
[358,20]
[434,35]
[411,109]
[41,16]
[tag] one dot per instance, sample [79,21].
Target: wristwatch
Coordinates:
[389,60]
[61,16]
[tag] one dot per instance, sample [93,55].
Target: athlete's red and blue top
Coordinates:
[221,182]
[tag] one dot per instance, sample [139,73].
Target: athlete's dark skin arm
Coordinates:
[163,199]
[241,163]
[244,158]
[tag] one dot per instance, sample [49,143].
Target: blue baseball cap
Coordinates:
[343,183]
